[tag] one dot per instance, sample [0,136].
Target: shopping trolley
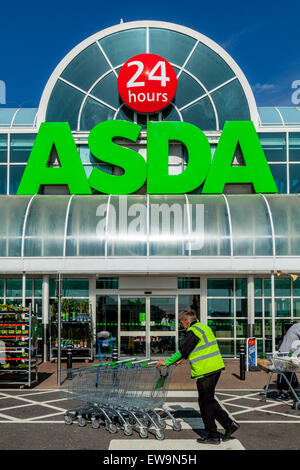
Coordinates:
[130,394]
[280,363]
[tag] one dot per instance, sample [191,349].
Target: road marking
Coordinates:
[171,444]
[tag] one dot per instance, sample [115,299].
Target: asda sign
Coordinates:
[214,175]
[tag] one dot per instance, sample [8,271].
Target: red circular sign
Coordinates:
[147,83]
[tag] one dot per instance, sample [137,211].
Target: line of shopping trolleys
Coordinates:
[126,394]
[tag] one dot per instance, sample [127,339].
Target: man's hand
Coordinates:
[161,362]
[179,362]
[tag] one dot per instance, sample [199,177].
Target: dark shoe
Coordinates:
[209,439]
[233,427]
[283,396]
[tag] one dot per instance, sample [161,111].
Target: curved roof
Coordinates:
[211,87]
[18,117]
[279,116]
[188,226]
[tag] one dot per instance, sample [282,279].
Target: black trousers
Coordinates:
[209,407]
[281,383]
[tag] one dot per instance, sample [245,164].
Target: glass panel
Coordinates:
[286,218]
[64,104]
[257,287]
[3,179]
[38,287]
[274,146]
[16,302]
[290,115]
[296,287]
[162,345]
[46,223]
[11,227]
[201,114]
[258,329]
[258,308]
[38,306]
[188,283]
[220,287]
[162,314]
[296,309]
[52,287]
[174,47]
[2,287]
[282,307]
[222,328]
[269,116]
[6,115]
[75,287]
[241,287]
[294,178]
[215,71]
[220,307]
[241,328]
[268,329]
[294,147]
[251,228]
[188,89]
[127,226]
[282,287]
[121,46]
[209,215]
[107,283]
[93,113]
[25,117]
[107,314]
[168,226]
[231,103]
[14,288]
[280,177]
[133,314]
[170,114]
[86,67]
[107,90]
[241,307]
[28,291]
[133,345]
[3,148]
[125,114]
[16,173]
[226,348]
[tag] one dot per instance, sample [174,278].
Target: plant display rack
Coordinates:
[76,330]
[18,345]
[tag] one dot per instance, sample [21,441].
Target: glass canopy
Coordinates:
[150,226]
[18,117]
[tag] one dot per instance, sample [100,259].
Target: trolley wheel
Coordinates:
[146,421]
[68,419]
[128,430]
[159,434]
[177,426]
[161,423]
[143,433]
[112,428]
[131,420]
[95,423]
[81,421]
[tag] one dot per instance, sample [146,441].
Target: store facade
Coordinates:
[135,258]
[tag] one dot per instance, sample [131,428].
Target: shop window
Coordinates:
[70,287]
[14,288]
[220,287]
[274,146]
[294,147]
[3,148]
[20,147]
[241,287]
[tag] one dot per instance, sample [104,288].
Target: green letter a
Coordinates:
[256,170]
[71,171]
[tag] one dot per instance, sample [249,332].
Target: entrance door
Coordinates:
[147,326]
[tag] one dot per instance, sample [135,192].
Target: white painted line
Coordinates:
[10,418]
[37,403]
[21,421]
[171,444]
[42,417]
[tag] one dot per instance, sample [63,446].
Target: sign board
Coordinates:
[251,352]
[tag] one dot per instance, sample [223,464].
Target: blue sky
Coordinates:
[261,36]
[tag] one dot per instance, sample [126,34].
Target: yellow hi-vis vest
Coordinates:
[206,356]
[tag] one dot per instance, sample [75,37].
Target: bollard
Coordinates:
[69,363]
[242,362]
[115,354]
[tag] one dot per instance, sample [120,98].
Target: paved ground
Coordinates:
[34,419]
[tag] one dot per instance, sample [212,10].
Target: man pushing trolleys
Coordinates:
[202,350]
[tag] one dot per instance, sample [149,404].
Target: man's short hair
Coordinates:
[187,314]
